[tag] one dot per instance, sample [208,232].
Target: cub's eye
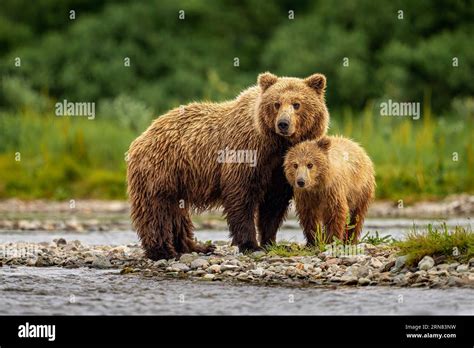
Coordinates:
[310,165]
[296,106]
[295,166]
[277,106]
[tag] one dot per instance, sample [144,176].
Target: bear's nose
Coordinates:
[283,125]
[300,182]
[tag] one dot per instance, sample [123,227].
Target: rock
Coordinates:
[31,262]
[214,260]
[471,262]
[400,279]
[443,267]
[242,276]
[462,268]
[333,261]
[399,263]
[363,272]
[126,270]
[60,241]
[455,281]
[348,260]
[453,266]
[199,263]
[364,281]
[28,225]
[160,263]
[101,262]
[259,271]
[234,262]
[178,267]
[258,253]
[426,263]
[228,267]
[199,272]
[43,261]
[375,263]
[385,277]
[214,269]
[388,266]
[208,276]
[73,225]
[187,258]
[349,279]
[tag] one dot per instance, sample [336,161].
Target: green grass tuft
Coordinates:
[289,249]
[377,239]
[454,245]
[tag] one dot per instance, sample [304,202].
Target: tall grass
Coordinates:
[44,156]
[414,159]
[438,241]
[73,157]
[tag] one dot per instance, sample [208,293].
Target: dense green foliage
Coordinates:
[174,61]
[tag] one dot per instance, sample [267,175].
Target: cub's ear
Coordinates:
[266,80]
[317,82]
[324,143]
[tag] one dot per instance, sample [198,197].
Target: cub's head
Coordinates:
[291,107]
[306,164]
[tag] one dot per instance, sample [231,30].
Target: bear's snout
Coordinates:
[300,182]
[283,126]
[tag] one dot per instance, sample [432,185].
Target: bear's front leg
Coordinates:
[272,211]
[335,220]
[308,216]
[240,218]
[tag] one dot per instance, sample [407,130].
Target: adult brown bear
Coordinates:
[176,164]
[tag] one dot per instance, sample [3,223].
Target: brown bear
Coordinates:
[332,178]
[229,154]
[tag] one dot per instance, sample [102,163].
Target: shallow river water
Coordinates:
[27,290]
[31,290]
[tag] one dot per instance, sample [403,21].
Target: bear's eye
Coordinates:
[310,165]
[296,106]
[295,166]
[277,106]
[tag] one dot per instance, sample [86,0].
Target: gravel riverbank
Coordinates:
[372,266]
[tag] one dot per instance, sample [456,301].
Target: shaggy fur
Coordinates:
[332,177]
[173,166]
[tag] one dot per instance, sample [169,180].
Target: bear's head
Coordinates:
[292,108]
[307,164]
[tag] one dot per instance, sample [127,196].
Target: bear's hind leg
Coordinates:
[184,237]
[154,225]
[153,222]
[357,220]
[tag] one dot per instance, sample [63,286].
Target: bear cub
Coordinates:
[333,178]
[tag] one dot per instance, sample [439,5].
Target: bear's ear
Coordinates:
[266,80]
[324,143]
[317,82]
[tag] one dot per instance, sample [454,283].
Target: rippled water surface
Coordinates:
[27,290]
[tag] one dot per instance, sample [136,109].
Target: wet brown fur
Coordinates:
[173,167]
[340,182]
